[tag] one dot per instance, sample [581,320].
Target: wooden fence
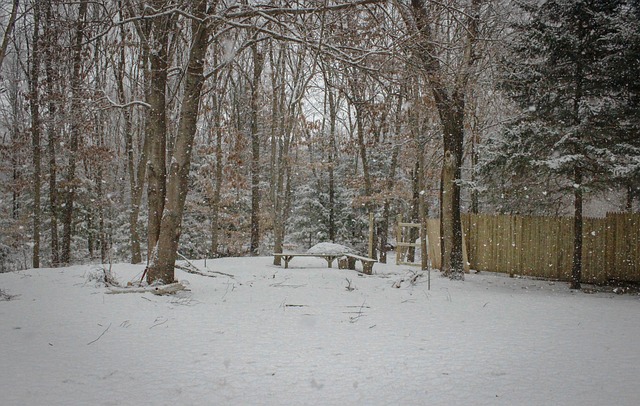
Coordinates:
[543,246]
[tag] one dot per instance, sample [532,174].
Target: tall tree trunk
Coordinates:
[386,209]
[576,268]
[258,62]
[333,117]
[451,224]
[475,142]
[51,135]
[450,103]
[34,106]
[217,186]
[161,267]
[362,148]
[76,107]
[136,176]
[157,127]
[6,38]
[631,195]
[415,206]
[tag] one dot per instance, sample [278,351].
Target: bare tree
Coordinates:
[161,266]
[76,106]
[445,38]
[34,107]
[6,37]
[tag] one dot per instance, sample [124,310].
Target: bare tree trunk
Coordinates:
[258,63]
[450,103]
[333,117]
[136,176]
[415,206]
[631,195]
[157,127]
[217,187]
[9,30]
[161,267]
[76,106]
[386,209]
[576,268]
[447,217]
[34,106]
[51,136]
[283,113]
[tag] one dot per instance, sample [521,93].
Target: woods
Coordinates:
[134,130]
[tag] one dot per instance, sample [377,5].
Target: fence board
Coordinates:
[543,246]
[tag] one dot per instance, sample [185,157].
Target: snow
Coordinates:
[328,248]
[274,336]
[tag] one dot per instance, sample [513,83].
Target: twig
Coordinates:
[6,296]
[100,336]
[356,318]
[195,270]
[159,324]
[349,287]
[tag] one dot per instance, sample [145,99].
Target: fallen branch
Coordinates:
[196,271]
[156,290]
[100,336]
[4,296]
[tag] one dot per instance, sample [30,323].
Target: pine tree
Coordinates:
[556,77]
[623,68]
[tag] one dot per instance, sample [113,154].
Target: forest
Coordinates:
[132,130]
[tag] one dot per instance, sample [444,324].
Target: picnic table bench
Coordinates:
[367,263]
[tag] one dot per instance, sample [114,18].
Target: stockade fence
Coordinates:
[543,246]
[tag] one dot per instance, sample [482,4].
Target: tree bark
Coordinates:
[576,268]
[34,107]
[157,126]
[6,38]
[386,210]
[161,267]
[217,187]
[258,63]
[451,258]
[450,103]
[76,107]
[52,138]
[135,183]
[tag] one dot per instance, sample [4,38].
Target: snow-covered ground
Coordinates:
[270,336]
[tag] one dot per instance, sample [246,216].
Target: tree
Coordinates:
[622,66]
[446,49]
[34,107]
[6,37]
[76,108]
[164,254]
[555,75]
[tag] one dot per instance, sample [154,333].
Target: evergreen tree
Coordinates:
[624,70]
[556,76]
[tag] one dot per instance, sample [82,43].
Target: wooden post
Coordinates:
[371,227]
[398,240]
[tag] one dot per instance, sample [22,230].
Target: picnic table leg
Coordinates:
[286,261]
[352,263]
[367,267]
[330,260]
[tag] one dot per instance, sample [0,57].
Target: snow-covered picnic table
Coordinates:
[331,251]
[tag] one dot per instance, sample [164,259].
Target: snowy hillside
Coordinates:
[316,336]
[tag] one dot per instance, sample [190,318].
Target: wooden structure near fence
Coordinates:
[543,246]
[432,233]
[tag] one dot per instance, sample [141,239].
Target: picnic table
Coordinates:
[367,263]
